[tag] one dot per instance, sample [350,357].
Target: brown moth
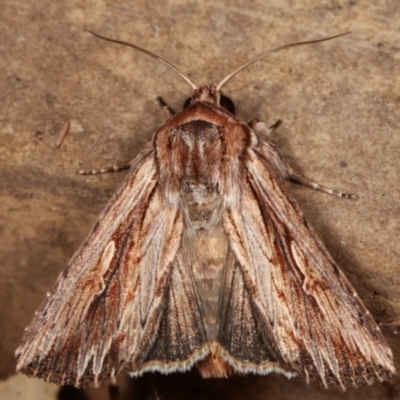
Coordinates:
[202,258]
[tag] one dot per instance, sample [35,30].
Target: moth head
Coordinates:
[212,93]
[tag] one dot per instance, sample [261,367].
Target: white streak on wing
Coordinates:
[105,262]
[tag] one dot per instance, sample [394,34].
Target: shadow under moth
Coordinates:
[202,258]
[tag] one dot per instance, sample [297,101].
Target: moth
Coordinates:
[202,258]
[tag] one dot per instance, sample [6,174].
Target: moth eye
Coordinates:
[187,102]
[227,103]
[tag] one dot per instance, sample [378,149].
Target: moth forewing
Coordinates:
[313,311]
[203,258]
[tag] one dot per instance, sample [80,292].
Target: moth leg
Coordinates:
[278,123]
[261,128]
[164,105]
[113,168]
[297,177]
[288,172]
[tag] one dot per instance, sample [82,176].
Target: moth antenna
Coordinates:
[276,49]
[149,53]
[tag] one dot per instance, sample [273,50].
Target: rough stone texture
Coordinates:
[339,101]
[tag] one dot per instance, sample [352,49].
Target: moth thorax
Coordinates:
[196,148]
